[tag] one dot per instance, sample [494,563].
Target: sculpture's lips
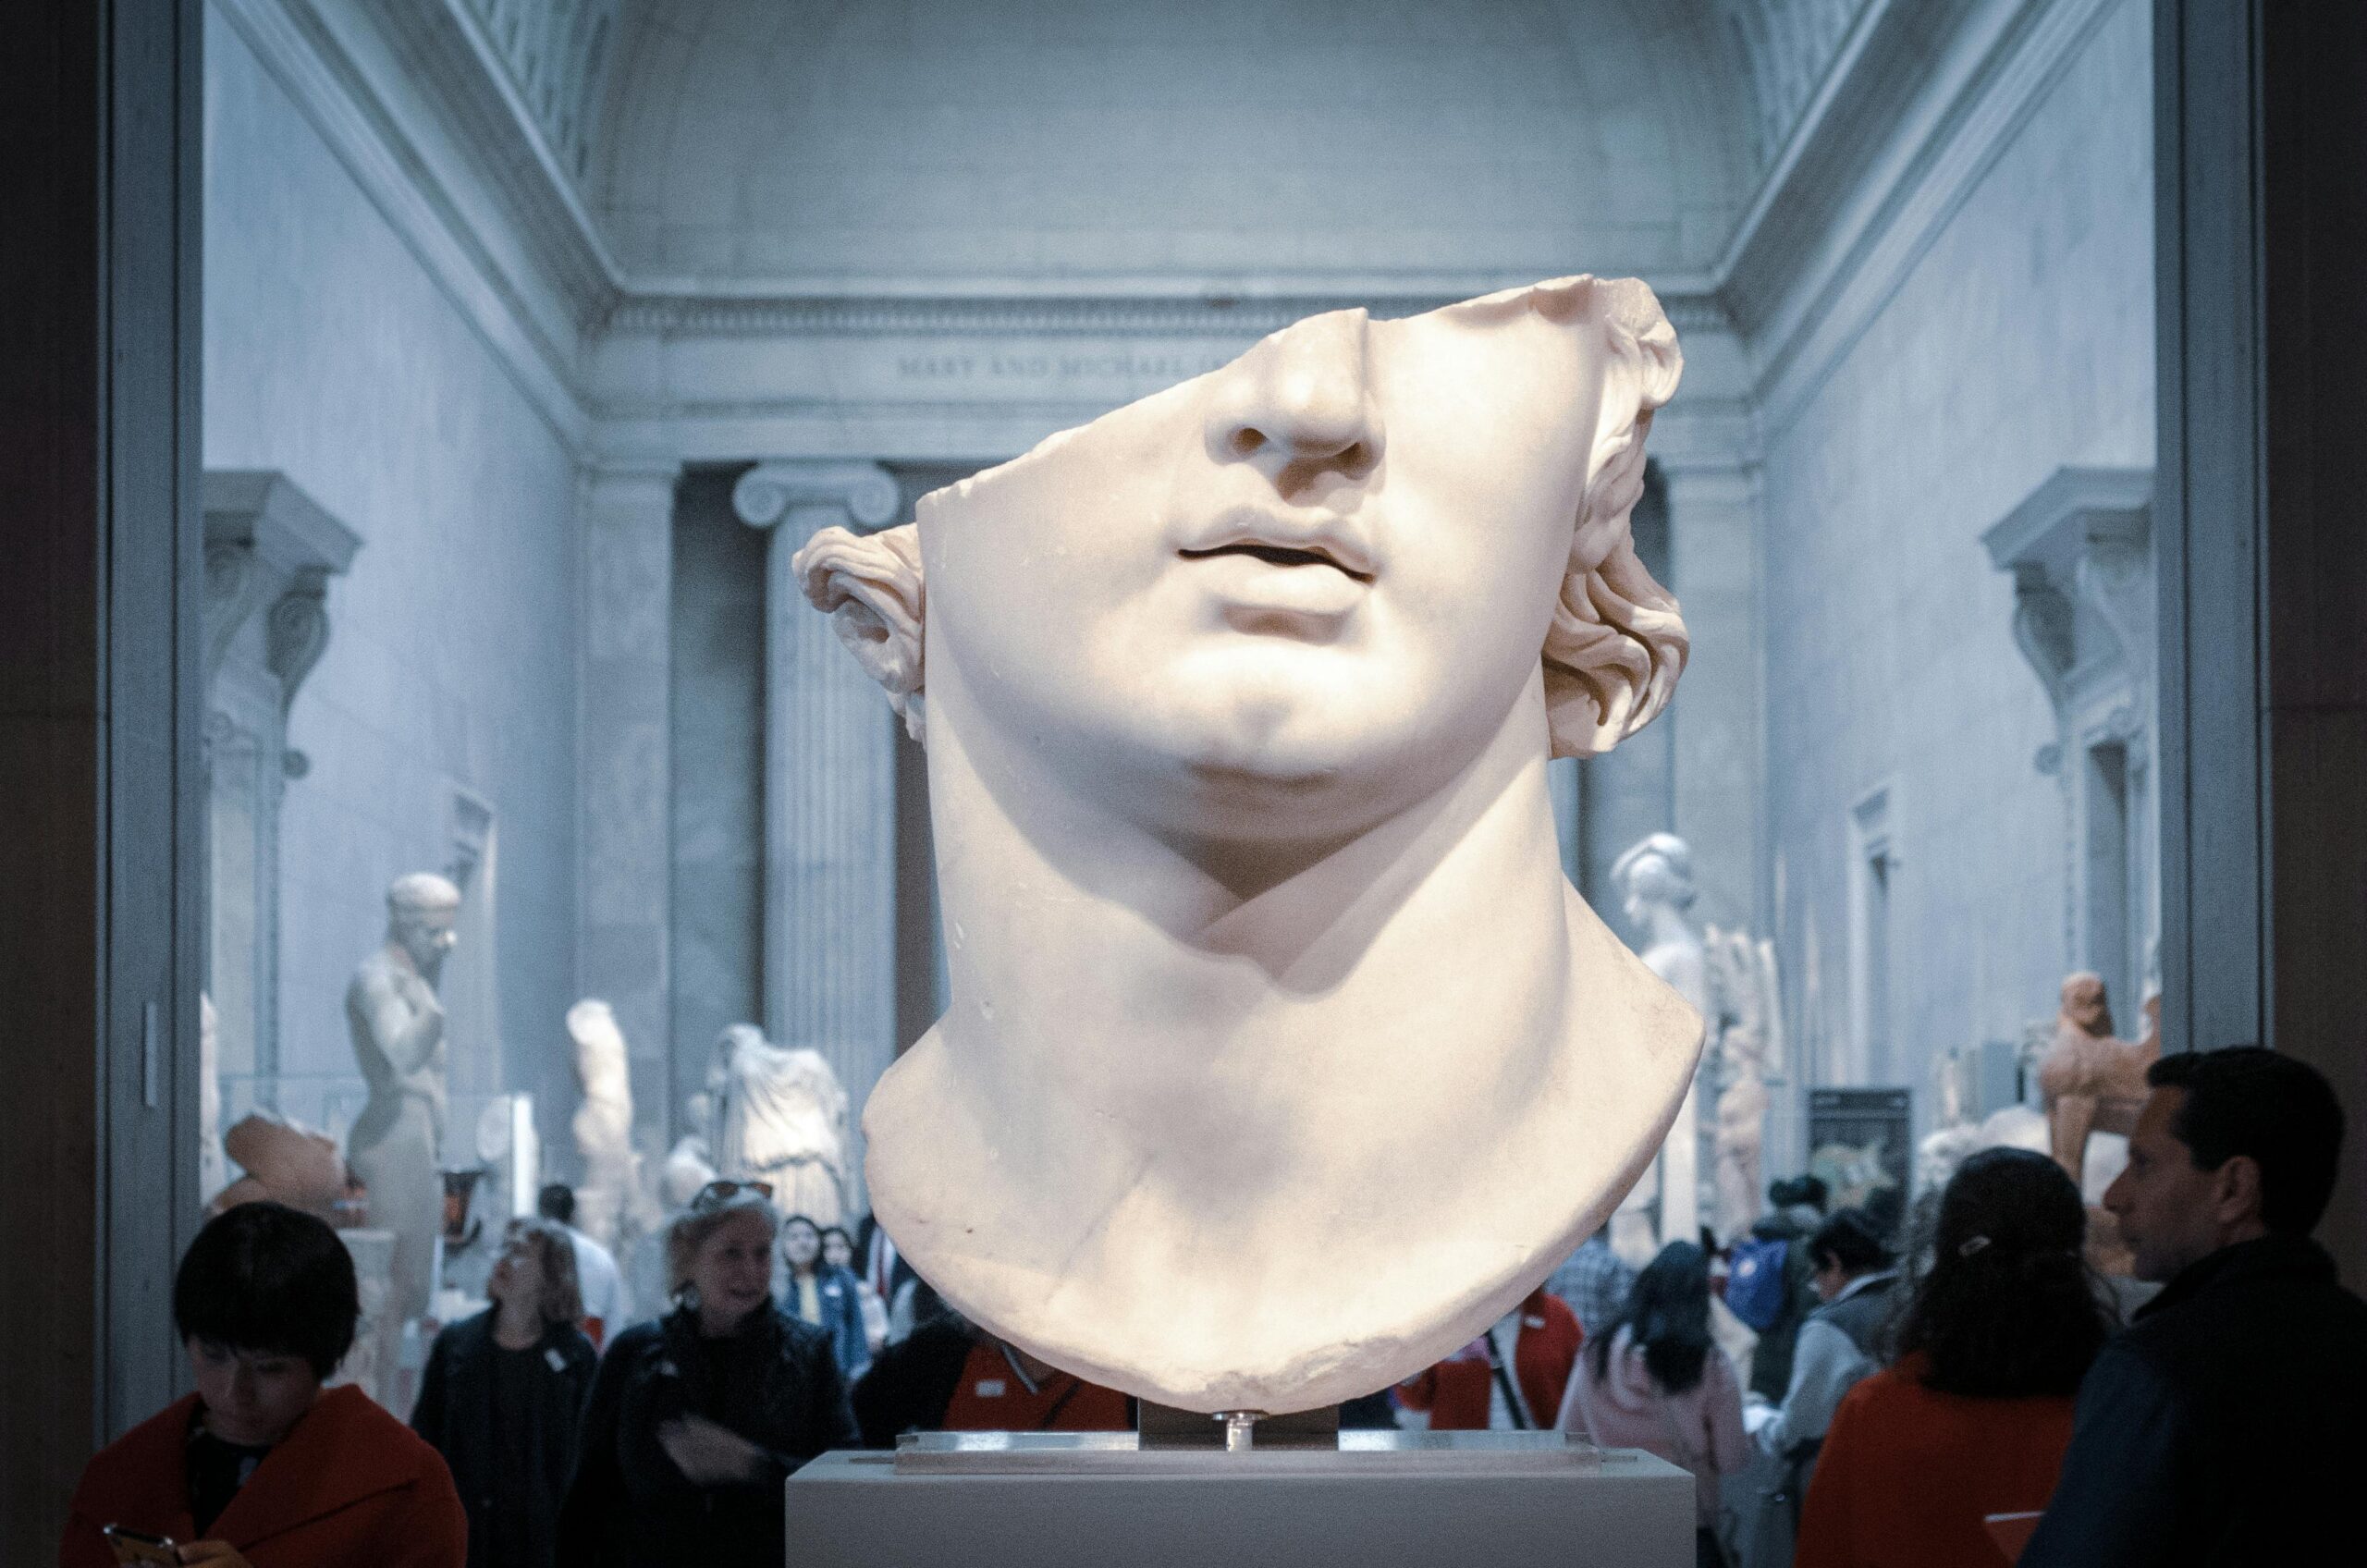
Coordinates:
[1281,540]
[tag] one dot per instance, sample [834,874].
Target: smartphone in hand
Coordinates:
[134,1546]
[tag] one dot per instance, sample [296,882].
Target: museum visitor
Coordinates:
[266,1303]
[1659,1382]
[1971,1417]
[2223,1424]
[825,1295]
[502,1398]
[607,1305]
[1849,1270]
[1511,1378]
[697,1418]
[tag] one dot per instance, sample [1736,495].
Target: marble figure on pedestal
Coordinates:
[1281,1061]
[396,1021]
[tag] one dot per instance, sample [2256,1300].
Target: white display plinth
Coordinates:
[1509,1501]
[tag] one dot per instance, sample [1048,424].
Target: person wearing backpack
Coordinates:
[1850,1270]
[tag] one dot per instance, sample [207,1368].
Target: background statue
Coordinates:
[1654,880]
[213,1163]
[1745,1016]
[1278,1041]
[397,1025]
[780,1116]
[610,1197]
[2090,1081]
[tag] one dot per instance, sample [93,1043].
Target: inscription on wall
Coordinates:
[1032,367]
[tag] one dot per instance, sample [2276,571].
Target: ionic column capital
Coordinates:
[769,492]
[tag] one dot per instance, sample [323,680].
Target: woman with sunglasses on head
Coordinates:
[503,1395]
[696,1419]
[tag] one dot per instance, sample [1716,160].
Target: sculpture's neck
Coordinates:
[1125,978]
[1665,925]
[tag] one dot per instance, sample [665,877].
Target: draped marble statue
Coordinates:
[611,1204]
[1282,1060]
[1746,1024]
[780,1116]
[396,1021]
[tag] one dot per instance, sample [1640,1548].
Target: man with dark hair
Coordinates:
[607,1308]
[260,1466]
[2223,1426]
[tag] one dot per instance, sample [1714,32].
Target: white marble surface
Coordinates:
[1270,1000]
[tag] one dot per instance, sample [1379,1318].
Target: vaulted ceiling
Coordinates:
[1066,140]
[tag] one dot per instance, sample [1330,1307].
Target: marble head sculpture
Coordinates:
[1282,1060]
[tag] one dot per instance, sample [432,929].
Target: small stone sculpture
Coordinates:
[1282,1060]
[398,1026]
[1654,879]
[2090,1081]
[780,1116]
[611,1197]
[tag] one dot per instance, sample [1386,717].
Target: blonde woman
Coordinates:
[502,1394]
[696,1419]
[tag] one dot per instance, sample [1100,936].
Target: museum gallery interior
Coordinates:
[1244,691]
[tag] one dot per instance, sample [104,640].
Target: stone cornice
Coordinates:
[1083,315]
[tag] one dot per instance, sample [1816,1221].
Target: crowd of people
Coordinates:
[1953,1396]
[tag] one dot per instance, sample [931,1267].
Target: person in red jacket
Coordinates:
[1974,1417]
[1509,1379]
[261,1468]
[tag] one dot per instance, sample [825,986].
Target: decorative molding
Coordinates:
[2082,540]
[344,75]
[271,547]
[766,493]
[1146,315]
[1804,292]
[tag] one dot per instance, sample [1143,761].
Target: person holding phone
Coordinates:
[261,1467]
[697,1419]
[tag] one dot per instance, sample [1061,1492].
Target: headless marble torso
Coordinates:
[1271,1183]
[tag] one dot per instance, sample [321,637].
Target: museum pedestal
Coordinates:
[1509,1501]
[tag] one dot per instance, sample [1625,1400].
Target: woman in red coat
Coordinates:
[1534,1345]
[261,1468]
[1973,1418]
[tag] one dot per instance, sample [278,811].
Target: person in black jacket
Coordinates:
[697,1419]
[2223,1426]
[502,1396]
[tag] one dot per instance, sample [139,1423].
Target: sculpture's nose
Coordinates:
[1299,404]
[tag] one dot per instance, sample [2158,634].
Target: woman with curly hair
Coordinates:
[1973,1415]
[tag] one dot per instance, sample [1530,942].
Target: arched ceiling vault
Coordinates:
[968,142]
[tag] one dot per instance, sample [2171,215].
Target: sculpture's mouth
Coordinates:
[1282,538]
[1278,555]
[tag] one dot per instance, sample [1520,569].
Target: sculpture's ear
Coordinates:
[870,586]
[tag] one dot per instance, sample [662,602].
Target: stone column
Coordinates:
[829,794]
[1716,795]
[624,738]
[1714,571]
